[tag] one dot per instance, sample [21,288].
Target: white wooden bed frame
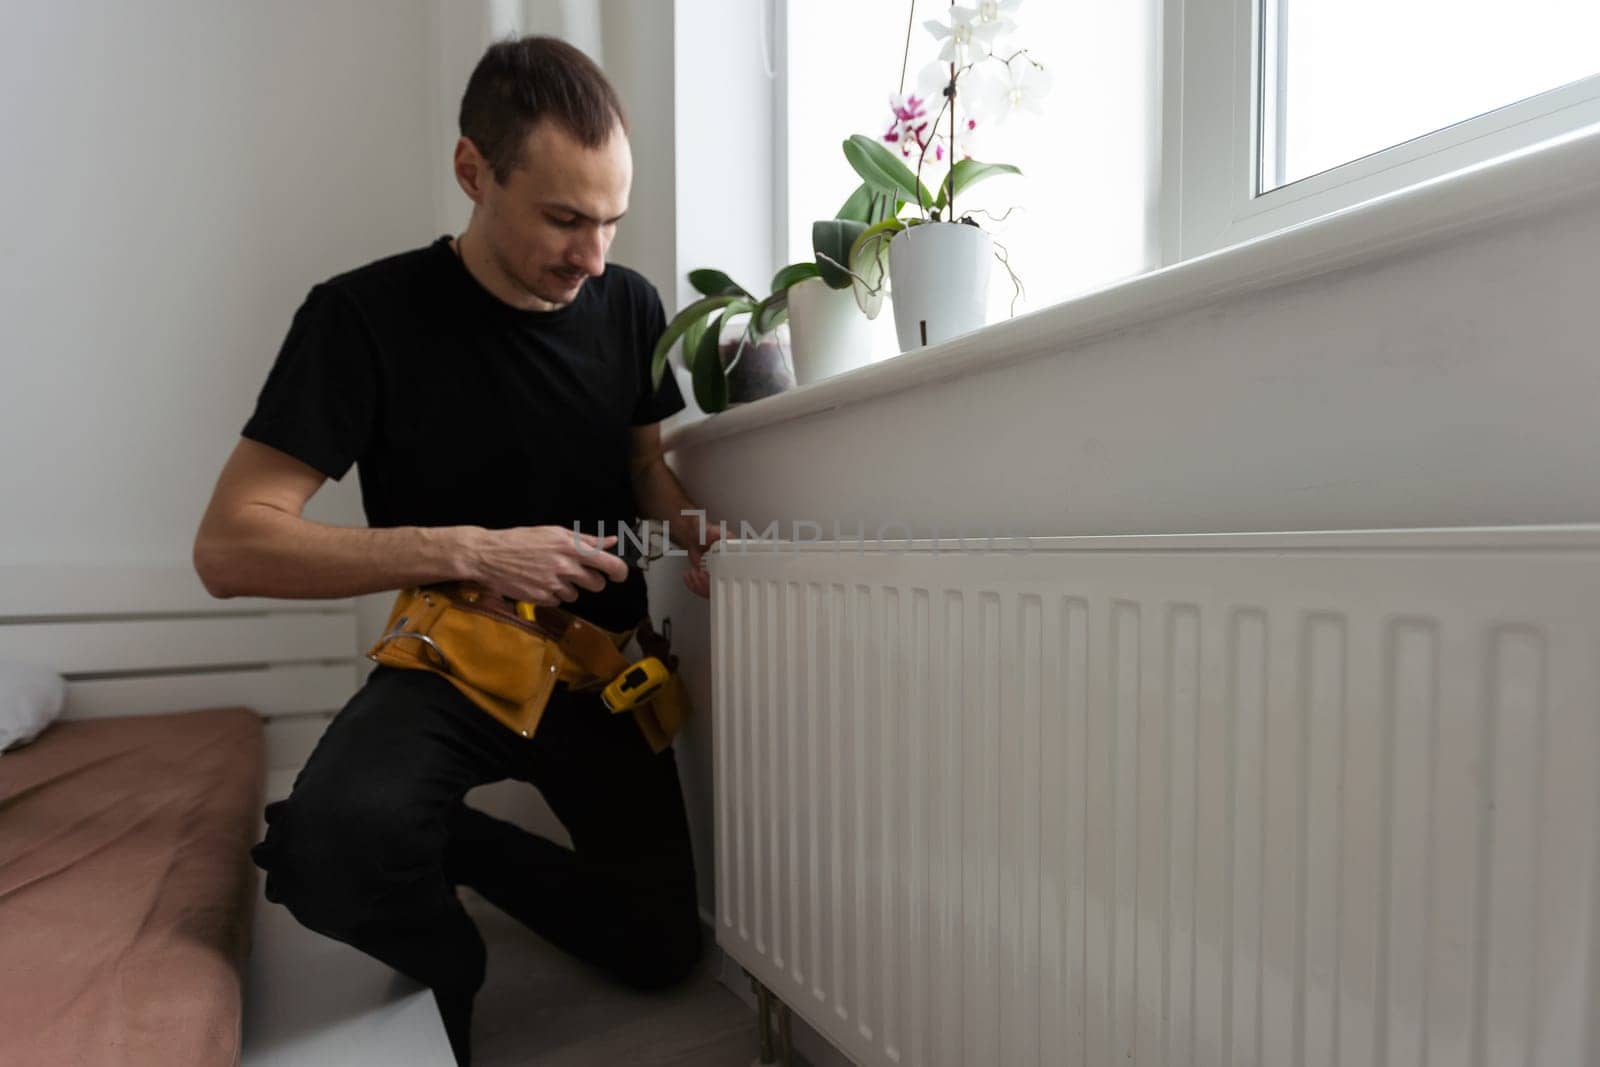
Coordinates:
[136,640]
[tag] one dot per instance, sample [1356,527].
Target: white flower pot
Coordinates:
[827,331]
[939,274]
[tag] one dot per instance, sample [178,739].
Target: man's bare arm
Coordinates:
[254,541]
[657,493]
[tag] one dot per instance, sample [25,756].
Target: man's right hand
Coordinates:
[546,565]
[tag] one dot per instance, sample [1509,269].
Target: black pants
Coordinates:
[374,837]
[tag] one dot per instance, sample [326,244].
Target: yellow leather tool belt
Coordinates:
[508,665]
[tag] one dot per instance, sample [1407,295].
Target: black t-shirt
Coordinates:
[459,409]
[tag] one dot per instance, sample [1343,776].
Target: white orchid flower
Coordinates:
[999,12]
[931,81]
[1016,87]
[966,37]
[971,114]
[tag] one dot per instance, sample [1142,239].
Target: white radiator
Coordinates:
[1222,800]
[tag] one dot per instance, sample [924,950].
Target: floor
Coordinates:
[540,1006]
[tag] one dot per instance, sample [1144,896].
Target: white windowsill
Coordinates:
[1529,181]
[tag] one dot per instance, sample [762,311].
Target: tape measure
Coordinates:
[635,685]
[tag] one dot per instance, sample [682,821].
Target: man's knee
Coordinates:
[340,858]
[663,952]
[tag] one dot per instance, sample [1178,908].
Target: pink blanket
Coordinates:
[126,889]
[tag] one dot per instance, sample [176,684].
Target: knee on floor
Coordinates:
[663,955]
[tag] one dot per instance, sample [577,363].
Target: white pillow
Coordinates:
[30,699]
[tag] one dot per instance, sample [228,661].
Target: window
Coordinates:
[1292,109]
[1078,213]
[1174,128]
[1344,79]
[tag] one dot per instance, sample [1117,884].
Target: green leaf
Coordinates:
[869,205]
[869,260]
[880,169]
[710,383]
[771,311]
[794,272]
[884,206]
[675,329]
[969,172]
[691,341]
[715,283]
[859,204]
[832,238]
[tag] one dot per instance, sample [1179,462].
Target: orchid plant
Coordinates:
[964,72]
[700,324]
[850,250]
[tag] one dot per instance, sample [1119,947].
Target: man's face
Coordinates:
[550,224]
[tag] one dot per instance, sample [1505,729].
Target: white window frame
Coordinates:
[777,26]
[1211,111]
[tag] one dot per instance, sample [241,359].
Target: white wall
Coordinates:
[725,178]
[179,175]
[637,54]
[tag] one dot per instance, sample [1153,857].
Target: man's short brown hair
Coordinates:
[519,82]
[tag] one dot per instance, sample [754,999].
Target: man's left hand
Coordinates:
[696,577]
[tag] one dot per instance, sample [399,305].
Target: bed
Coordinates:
[127,896]
[126,890]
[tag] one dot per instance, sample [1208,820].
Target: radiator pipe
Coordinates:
[783,1054]
[763,1022]
[785,1037]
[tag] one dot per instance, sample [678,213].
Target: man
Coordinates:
[495,391]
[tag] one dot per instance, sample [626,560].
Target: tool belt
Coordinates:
[509,663]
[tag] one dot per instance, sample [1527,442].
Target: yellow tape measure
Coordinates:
[635,685]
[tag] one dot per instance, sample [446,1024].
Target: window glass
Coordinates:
[1342,79]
